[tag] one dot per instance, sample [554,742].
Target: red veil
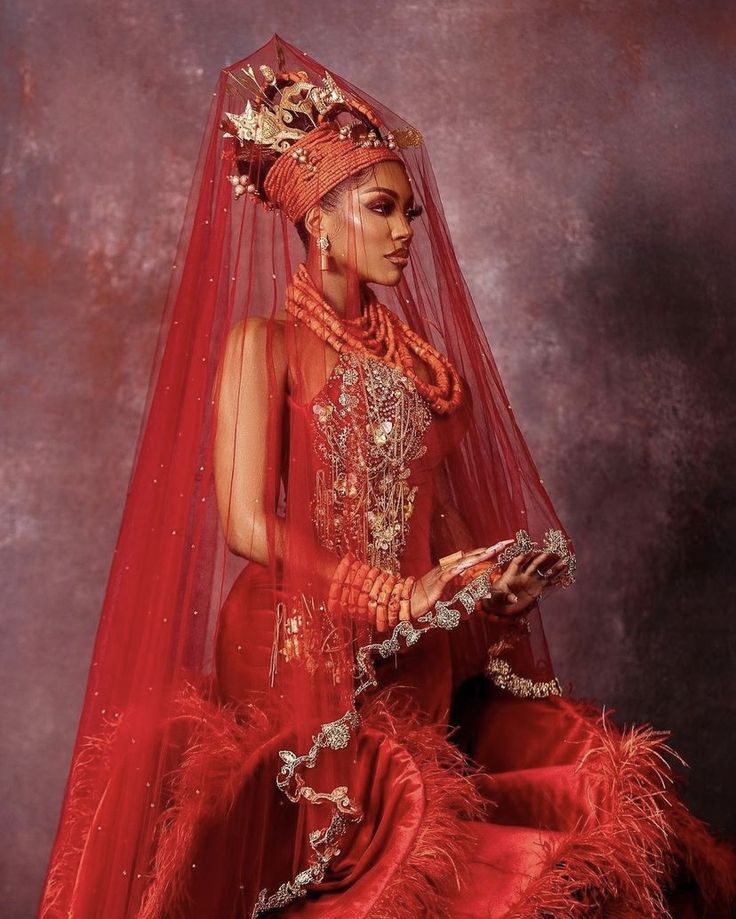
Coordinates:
[241,732]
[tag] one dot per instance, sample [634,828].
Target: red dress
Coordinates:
[562,814]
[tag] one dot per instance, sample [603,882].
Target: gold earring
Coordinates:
[324,260]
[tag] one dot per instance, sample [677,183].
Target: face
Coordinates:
[372,220]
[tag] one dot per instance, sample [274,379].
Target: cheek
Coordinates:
[371,233]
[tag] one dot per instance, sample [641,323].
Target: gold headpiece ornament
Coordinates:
[291,118]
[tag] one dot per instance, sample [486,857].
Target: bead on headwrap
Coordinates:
[290,130]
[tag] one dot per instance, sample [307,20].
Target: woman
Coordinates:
[320,685]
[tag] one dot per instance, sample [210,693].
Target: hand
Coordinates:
[520,580]
[429,589]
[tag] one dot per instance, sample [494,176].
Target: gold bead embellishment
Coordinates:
[365,506]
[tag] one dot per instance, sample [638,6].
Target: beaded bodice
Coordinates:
[375,439]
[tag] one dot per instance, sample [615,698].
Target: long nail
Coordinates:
[461,566]
[499,545]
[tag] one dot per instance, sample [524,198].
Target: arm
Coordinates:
[251,404]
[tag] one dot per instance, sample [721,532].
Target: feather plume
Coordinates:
[86,779]
[433,870]
[627,853]
[204,786]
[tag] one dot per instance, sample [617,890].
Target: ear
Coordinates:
[312,221]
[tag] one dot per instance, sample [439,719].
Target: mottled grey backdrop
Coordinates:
[585,154]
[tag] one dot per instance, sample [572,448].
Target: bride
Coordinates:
[321,685]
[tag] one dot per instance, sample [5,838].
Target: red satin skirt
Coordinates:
[562,814]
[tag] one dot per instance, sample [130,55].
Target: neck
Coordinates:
[334,287]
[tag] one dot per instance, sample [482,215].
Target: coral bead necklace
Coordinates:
[379,333]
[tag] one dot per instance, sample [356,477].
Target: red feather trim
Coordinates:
[204,786]
[86,779]
[627,853]
[216,759]
[432,872]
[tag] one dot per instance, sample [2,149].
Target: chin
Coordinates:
[391,277]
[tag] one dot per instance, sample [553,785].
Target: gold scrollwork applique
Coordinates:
[335,735]
[367,438]
[501,675]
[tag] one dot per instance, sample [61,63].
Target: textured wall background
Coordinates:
[585,152]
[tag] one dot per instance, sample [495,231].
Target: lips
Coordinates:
[399,257]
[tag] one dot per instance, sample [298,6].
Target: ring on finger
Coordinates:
[542,574]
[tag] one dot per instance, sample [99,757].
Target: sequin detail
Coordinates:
[500,673]
[299,643]
[325,845]
[366,437]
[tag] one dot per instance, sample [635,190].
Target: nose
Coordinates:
[402,229]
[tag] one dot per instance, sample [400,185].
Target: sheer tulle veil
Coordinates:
[178,785]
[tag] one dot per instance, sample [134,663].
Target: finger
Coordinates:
[540,565]
[468,553]
[467,561]
[535,560]
[480,554]
[550,558]
[484,551]
[497,547]
[499,611]
[393,614]
[516,563]
[447,574]
[556,571]
[549,573]
[506,598]
[500,595]
[494,611]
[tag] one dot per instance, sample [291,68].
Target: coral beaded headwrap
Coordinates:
[294,186]
[294,125]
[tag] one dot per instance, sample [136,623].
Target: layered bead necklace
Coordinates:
[378,333]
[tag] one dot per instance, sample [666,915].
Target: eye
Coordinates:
[386,207]
[382,207]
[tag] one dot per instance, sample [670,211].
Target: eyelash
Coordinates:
[412,213]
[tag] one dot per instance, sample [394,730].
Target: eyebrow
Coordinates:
[389,191]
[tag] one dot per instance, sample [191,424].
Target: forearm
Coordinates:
[269,542]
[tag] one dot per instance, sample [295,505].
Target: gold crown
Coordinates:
[288,107]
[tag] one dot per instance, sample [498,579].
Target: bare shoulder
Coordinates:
[257,340]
